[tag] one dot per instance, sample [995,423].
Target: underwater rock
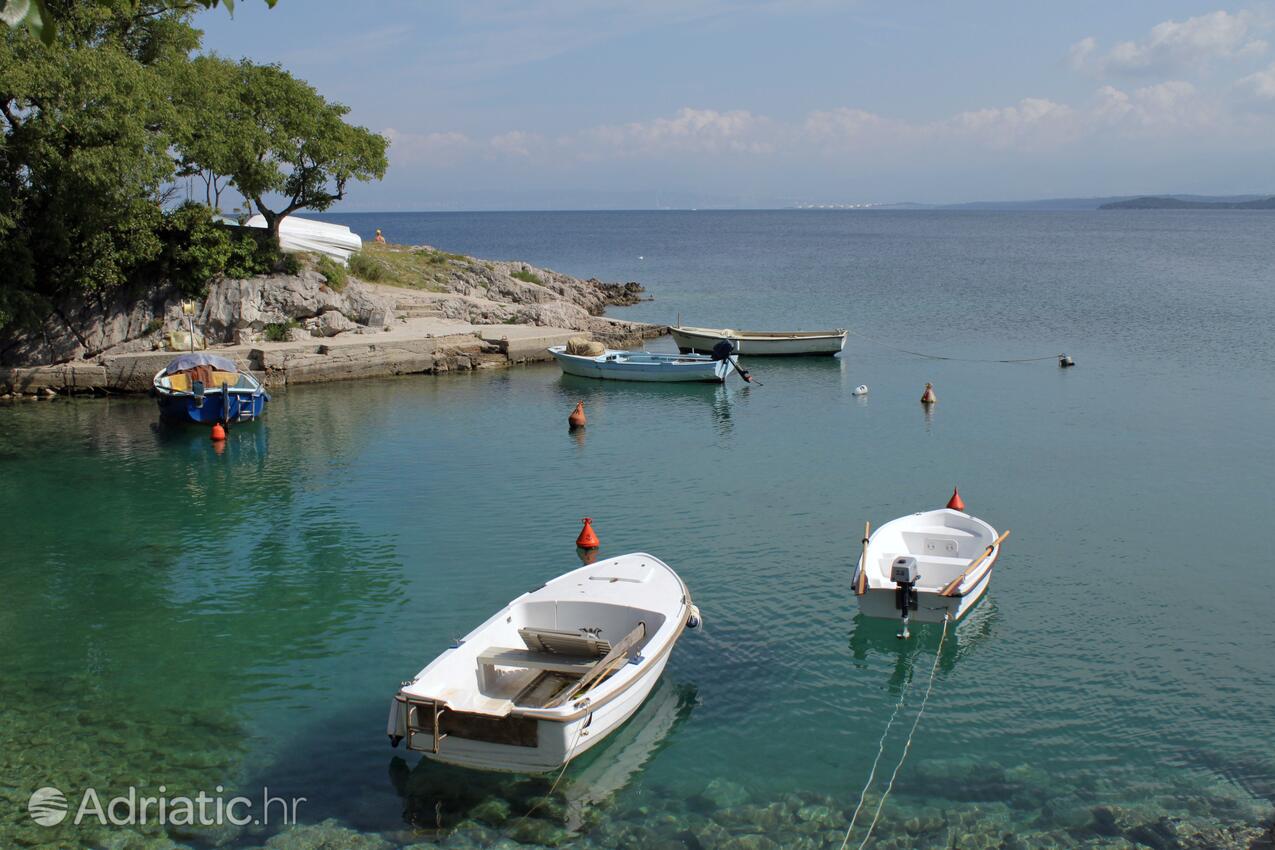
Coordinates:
[536,831]
[326,835]
[492,811]
[723,794]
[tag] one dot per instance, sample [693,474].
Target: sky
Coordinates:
[641,104]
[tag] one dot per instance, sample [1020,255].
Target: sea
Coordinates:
[235,621]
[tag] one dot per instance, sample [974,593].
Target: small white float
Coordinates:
[862,389]
[552,673]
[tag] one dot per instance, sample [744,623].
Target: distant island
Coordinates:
[1152,202]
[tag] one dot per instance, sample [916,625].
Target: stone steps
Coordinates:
[417,311]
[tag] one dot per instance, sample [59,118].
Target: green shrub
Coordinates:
[280,331]
[527,276]
[366,267]
[154,324]
[289,263]
[332,271]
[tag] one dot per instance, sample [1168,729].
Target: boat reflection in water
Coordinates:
[437,797]
[872,636]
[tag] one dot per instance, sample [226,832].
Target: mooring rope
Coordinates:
[938,654]
[903,695]
[554,787]
[949,357]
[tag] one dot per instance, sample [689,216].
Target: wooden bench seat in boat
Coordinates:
[558,642]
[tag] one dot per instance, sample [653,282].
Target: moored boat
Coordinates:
[929,566]
[203,388]
[642,366]
[552,673]
[759,343]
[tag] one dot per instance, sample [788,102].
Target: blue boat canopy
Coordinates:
[199,358]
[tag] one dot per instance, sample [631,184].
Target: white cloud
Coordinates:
[515,143]
[1174,46]
[1168,106]
[435,147]
[689,130]
[1034,122]
[1260,85]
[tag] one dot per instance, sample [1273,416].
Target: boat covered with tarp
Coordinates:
[204,388]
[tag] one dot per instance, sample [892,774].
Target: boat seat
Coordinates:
[179,382]
[530,659]
[218,378]
[572,644]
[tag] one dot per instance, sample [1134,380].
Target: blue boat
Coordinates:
[204,388]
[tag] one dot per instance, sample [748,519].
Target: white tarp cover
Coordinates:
[319,237]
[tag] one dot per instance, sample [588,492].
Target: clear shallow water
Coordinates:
[174,615]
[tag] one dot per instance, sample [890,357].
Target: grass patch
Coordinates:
[397,266]
[363,265]
[280,331]
[332,271]
[526,275]
[153,325]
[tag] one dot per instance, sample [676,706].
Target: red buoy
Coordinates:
[956,503]
[587,539]
[577,419]
[928,397]
[218,432]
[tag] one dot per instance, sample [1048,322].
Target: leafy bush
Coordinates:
[366,267]
[527,276]
[288,263]
[280,331]
[332,271]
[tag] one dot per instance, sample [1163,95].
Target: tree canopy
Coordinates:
[99,126]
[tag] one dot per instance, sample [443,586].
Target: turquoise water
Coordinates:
[174,615]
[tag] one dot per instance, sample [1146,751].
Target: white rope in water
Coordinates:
[907,746]
[554,787]
[872,774]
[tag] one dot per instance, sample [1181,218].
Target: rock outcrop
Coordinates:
[292,306]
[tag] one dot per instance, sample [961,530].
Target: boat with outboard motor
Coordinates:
[643,366]
[552,673]
[203,388]
[930,566]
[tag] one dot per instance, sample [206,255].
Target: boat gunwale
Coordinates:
[662,358]
[258,388]
[971,581]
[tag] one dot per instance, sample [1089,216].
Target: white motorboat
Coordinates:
[552,673]
[759,343]
[642,366]
[929,566]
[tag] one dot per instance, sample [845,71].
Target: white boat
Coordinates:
[552,673]
[642,366]
[759,343]
[309,235]
[938,562]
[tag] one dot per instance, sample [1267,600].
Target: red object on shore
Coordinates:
[218,432]
[956,503]
[587,539]
[577,419]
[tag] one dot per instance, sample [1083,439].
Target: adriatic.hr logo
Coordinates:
[47,807]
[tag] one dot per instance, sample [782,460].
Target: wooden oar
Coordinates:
[956,582]
[604,666]
[861,587]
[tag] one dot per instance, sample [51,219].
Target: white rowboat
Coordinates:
[642,366]
[943,546]
[552,673]
[760,343]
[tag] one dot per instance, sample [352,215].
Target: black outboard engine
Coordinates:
[903,573]
[723,349]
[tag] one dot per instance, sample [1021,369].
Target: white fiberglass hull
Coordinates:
[759,343]
[944,544]
[468,710]
[643,366]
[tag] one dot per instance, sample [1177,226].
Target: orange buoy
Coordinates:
[577,419]
[587,539]
[956,503]
[218,432]
[587,556]
[928,397]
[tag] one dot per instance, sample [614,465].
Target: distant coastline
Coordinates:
[1159,202]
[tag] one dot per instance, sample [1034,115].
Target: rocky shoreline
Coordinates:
[433,312]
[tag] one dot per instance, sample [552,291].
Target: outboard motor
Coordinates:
[197,388]
[904,574]
[723,349]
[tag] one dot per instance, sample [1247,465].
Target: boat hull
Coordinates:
[555,739]
[702,340]
[931,607]
[237,407]
[657,369]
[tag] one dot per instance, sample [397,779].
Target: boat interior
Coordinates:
[541,654]
[206,379]
[942,551]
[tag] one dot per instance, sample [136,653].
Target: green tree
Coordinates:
[41,20]
[271,135]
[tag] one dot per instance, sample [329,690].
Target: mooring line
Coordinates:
[554,787]
[948,357]
[907,746]
[903,695]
